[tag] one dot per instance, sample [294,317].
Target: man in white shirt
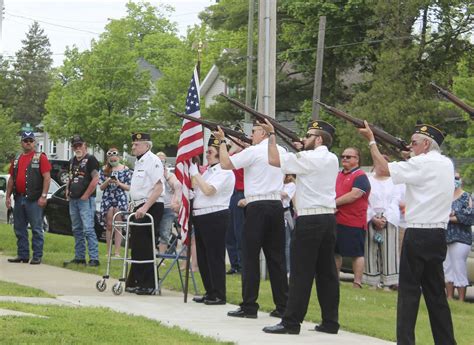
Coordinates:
[429,177]
[264,226]
[146,194]
[314,238]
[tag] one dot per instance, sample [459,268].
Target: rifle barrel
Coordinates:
[453,99]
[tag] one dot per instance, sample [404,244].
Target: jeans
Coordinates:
[24,212]
[233,240]
[166,223]
[82,221]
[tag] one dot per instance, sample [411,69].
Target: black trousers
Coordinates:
[421,270]
[210,232]
[141,245]
[312,258]
[264,228]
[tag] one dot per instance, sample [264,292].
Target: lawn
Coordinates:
[365,311]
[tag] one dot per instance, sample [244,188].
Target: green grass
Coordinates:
[64,325]
[12,289]
[364,311]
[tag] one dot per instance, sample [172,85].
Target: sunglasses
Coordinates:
[309,135]
[28,140]
[347,157]
[457,178]
[112,153]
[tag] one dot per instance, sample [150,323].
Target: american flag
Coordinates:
[190,145]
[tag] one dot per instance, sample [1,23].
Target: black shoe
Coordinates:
[216,301]
[326,329]
[276,313]
[242,313]
[94,263]
[199,299]
[131,289]
[281,329]
[145,291]
[18,259]
[35,261]
[75,262]
[233,271]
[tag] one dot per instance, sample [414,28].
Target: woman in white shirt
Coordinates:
[212,192]
[287,194]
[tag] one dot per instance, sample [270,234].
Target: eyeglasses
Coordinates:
[457,178]
[112,153]
[28,141]
[347,157]
[309,135]
[258,129]
[415,142]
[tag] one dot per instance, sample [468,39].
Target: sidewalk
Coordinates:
[78,289]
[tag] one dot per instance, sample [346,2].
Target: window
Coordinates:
[52,147]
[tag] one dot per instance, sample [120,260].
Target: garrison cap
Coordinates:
[213,141]
[322,126]
[27,135]
[430,131]
[141,137]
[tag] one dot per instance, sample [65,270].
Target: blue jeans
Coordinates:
[166,223]
[233,241]
[82,221]
[24,212]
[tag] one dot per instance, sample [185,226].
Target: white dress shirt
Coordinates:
[429,180]
[260,178]
[223,181]
[384,197]
[148,171]
[290,189]
[316,173]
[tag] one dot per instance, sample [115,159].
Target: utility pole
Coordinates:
[318,72]
[248,84]
[267,56]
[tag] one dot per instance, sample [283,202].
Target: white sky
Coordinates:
[90,16]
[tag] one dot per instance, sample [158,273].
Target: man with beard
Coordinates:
[80,191]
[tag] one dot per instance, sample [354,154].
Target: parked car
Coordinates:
[6,216]
[57,214]
[59,170]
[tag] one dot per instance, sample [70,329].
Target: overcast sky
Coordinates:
[69,22]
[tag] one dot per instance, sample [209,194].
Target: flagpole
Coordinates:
[191,230]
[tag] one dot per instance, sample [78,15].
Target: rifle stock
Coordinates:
[379,134]
[213,127]
[280,129]
[453,99]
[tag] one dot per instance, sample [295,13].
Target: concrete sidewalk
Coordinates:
[78,289]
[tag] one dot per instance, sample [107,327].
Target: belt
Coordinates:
[206,210]
[135,203]
[428,225]
[315,210]
[271,196]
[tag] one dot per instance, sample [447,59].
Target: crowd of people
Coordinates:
[303,211]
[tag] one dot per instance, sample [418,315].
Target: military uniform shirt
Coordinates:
[316,173]
[148,171]
[223,181]
[429,180]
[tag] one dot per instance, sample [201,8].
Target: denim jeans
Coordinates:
[233,241]
[164,229]
[28,212]
[82,221]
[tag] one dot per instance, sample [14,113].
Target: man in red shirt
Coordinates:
[28,183]
[352,194]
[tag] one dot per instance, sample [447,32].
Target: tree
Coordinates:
[32,76]
[7,90]
[9,141]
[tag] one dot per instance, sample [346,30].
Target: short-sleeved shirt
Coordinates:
[23,162]
[223,181]
[80,175]
[316,172]
[429,180]
[148,171]
[260,178]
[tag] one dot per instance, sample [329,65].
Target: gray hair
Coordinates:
[149,143]
[433,145]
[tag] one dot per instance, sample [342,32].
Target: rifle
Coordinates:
[380,135]
[284,133]
[450,97]
[230,133]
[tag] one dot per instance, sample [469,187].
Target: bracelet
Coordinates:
[372,142]
[271,133]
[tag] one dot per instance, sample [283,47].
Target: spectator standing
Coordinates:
[114,181]
[381,245]
[29,184]
[146,194]
[428,176]
[352,195]
[459,241]
[287,194]
[81,188]
[212,192]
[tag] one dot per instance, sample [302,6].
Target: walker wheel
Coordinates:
[117,289]
[101,285]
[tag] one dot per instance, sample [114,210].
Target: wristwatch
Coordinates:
[44,195]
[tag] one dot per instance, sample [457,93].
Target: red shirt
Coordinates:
[23,163]
[239,179]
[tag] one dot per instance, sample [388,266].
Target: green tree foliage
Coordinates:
[9,141]
[7,89]
[32,76]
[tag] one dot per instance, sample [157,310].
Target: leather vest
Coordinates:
[33,178]
[79,178]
